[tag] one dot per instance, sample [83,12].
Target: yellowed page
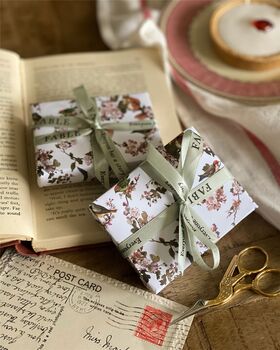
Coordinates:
[15,209]
[49,304]
[62,217]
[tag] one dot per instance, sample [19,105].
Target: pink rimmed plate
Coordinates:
[185,24]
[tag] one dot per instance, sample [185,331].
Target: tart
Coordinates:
[246,34]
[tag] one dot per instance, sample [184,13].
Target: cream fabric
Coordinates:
[123,24]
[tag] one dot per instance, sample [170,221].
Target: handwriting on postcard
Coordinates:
[31,301]
[43,303]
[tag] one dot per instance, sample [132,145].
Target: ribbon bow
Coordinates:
[105,152]
[180,183]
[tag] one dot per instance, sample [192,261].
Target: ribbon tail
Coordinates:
[111,154]
[193,235]
[195,253]
[101,167]
[182,244]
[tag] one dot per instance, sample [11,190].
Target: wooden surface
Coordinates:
[42,27]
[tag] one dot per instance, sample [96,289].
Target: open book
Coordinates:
[57,217]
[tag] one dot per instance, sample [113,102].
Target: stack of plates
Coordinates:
[192,58]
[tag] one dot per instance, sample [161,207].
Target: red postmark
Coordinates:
[153,325]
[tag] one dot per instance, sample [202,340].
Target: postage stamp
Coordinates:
[153,325]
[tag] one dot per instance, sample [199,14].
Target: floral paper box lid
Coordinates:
[71,160]
[137,199]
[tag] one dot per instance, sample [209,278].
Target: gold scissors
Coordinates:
[251,264]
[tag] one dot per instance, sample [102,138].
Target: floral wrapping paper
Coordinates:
[137,199]
[71,160]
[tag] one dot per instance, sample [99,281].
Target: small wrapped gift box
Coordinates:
[77,140]
[171,209]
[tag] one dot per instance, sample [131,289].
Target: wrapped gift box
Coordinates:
[71,160]
[137,199]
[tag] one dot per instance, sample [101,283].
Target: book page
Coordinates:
[15,209]
[62,212]
[49,304]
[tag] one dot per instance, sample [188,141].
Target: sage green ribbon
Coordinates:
[105,152]
[179,182]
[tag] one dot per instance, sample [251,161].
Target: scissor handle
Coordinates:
[229,281]
[268,291]
[244,255]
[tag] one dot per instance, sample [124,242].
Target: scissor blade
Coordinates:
[199,305]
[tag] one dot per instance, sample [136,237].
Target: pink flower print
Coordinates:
[153,267]
[236,188]
[215,201]
[110,204]
[214,229]
[125,187]
[64,144]
[132,217]
[211,203]
[45,162]
[43,156]
[126,209]
[140,258]
[49,168]
[130,188]
[136,219]
[154,192]
[168,156]
[220,195]
[109,110]
[134,212]
[236,203]
[234,209]
[137,256]
[172,270]
[170,274]
[132,147]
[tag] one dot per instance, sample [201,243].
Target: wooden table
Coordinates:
[34,28]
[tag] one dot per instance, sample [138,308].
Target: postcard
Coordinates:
[47,303]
